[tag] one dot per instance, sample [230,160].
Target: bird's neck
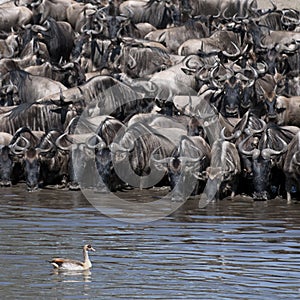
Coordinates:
[86,259]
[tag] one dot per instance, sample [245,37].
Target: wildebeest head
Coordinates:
[231,95]
[263,154]
[110,25]
[6,165]
[222,174]
[186,165]
[31,158]
[58,38]
[81,149]
[195,128]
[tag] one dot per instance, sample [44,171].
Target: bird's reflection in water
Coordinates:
[73,276]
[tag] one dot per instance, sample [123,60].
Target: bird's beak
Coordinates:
[92,249]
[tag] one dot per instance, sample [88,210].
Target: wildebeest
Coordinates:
[70,74]
[78,13]
[78,158]
[130,155]
[158,13]
[43,163]
[9,45]
[291,168]
[42,9]
[86,140]
[213,7]
[59,38]
[223,172]
[179,79]
[173,37]
[287,110]
[231,96]
[104,95]
[32,87]
[138,61]
[36,116]
[263,38]
[186,165]
[13,17]
[266,154]
[220,40]
[6,159]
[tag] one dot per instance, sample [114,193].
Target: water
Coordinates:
[237,249]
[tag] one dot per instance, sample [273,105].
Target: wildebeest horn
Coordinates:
[192,67]
[17,149]
[254,152]
[36,3]
[200,175]
[98,142]
[114,147]
[68,65]
[45,150]
[266,11]
[232,55]
[223,14]
[296,158]
[218,15]
[132,62]
[38,28]
[201,75]
[214,81]
[100,15]
[59,144]
[238,19]
[163,161]
[268,152]
[10,88]
[293,21]
[255,76]
[235,135]
[264,69]
[11,52]
[252,131]
[292,47]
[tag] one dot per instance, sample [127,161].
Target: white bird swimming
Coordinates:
[74,265]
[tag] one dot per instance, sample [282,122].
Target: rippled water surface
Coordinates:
[233,249]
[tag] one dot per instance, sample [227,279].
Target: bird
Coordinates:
[65,264]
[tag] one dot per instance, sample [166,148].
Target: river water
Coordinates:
[231,249]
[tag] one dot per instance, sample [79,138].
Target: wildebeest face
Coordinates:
[32,169]
[105,169]
[232,97]
[6,166]
[261,178]
[271,114]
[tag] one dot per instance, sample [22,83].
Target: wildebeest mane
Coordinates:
[108,129]
[19,78]
[18,110]
[36,116]
[197,25]
[272,135]
[159,18]
[148,60]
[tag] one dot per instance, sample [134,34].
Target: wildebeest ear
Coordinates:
[187,71]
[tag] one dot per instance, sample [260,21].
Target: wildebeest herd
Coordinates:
[183,90]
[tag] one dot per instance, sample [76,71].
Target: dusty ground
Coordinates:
[280,4]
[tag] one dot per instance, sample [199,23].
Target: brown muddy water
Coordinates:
[231,249]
